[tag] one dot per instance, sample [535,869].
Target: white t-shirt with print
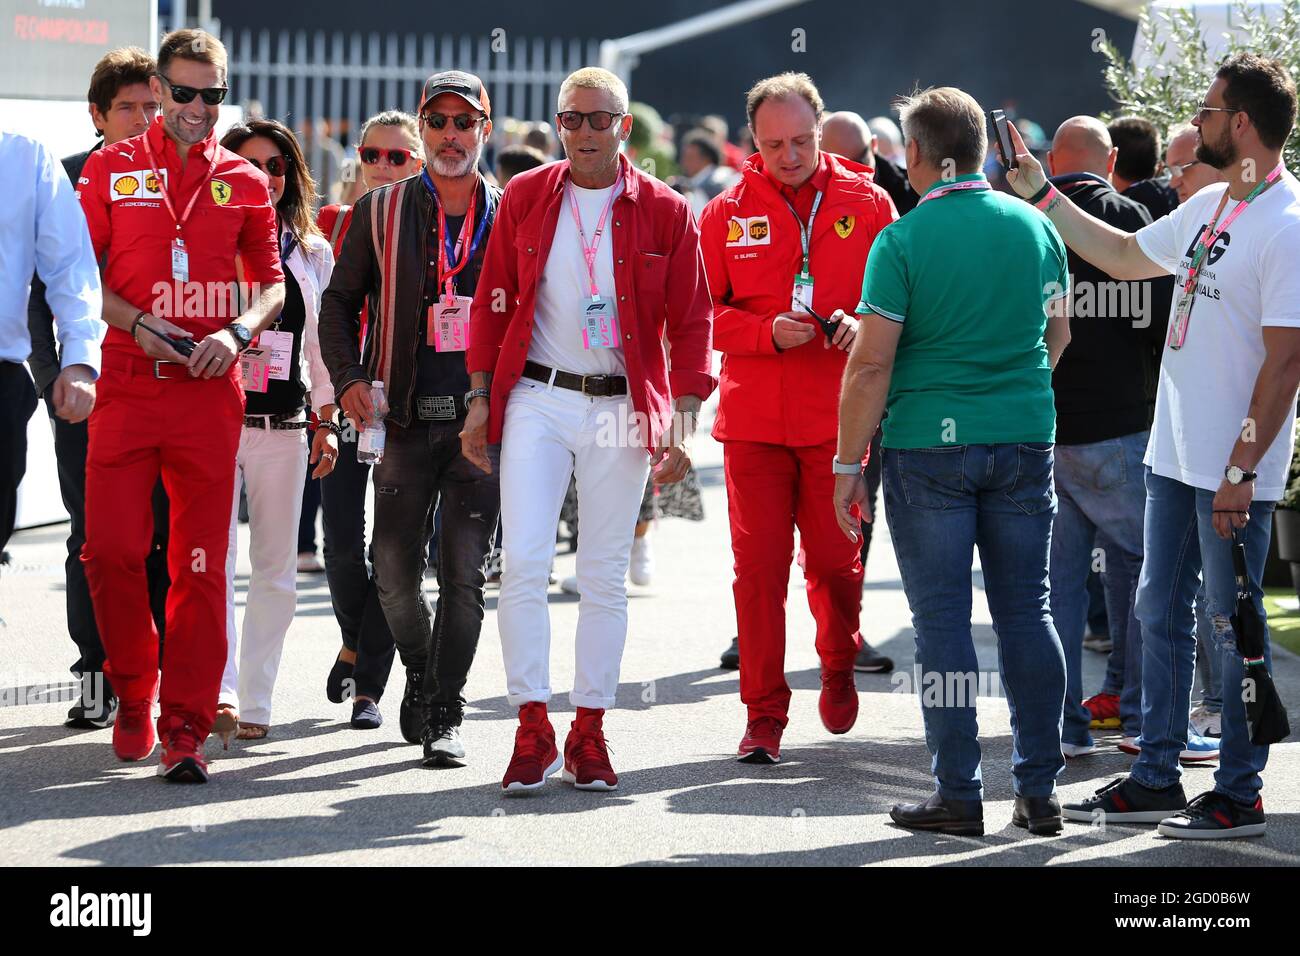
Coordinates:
[1250,279]
[564,289]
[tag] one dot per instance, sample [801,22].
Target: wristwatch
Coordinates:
[243,337]
[474,393]
[851,468]
[1237,475]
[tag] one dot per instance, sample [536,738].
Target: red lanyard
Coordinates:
[162,187]
[589,249]
[446,271]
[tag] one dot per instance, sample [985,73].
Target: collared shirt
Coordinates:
[132,229]
[802,197]
[43,231]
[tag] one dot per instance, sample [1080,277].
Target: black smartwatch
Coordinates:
[1237,475]
[243,337]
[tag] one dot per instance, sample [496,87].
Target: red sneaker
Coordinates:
[133,732]
[838,705]
[535,756]
[762,741]
[1104,709]
[586,758]
[182,758]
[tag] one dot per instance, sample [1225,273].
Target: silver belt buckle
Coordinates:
[604,379]
[157,367]
[435,408]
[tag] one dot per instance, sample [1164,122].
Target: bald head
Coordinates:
[846,134]
[1082,145]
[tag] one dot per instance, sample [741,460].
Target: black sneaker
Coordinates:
[441,738]
[95,715]
[1126,801]
[1215,816]
[411,714]
[871,661]
[339,683]
[366,715]
[731,656]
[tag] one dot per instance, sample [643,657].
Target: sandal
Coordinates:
[251,731]
[226,724]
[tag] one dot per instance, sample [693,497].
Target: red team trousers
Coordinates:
[771,490]
[187,431]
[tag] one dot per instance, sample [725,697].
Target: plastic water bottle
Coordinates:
[370,443]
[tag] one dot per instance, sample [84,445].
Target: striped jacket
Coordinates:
[384,265]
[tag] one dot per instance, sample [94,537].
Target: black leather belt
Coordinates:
[597,386]
[280,422]
[437,408]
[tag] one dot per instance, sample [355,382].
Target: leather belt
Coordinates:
[437,408]
[284,421]
[150,368]
[596,386]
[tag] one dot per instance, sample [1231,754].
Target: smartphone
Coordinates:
[1006,151]
[185,346]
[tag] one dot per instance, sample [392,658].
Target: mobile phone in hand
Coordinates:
[1006,150]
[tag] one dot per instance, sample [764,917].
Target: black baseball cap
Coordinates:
[465,85]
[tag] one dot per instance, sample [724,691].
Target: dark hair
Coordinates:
[1138,142]
[124,66]
[781,86]
[517,159]
[703,141]
[1262,89]
[295,206]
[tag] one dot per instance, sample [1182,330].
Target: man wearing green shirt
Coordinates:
[955,342]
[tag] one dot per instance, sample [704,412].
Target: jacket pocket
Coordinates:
[526,260]
[651,276]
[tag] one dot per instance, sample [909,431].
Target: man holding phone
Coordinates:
[783,249]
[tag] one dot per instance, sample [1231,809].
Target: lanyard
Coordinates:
[805,232]
[589,249]
[287,245]
[450,261]
[1211,235]
[162,188]
[955,187]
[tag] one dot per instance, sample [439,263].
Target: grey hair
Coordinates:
[947,125]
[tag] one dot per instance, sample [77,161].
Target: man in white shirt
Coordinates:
[1221,443]
[43,230]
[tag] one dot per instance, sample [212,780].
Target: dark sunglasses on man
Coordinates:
[598,120]
[212,95]
[275,166]
[371,155]
[462,121]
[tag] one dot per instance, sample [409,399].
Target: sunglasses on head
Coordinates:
[275,166]
[370,155]
[463,121]
[598,120]
[212,95]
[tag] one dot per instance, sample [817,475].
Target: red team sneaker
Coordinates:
[586,758]
[838,705]
[182,758]
[1104,710]
[535,757]
[133,732]
[762,741]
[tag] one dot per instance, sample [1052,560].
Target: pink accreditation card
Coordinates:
[600,324]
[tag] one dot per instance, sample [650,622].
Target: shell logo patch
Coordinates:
[751,231]
[844,226]
[735,231]
[124,185]
[220,192]
[137,184]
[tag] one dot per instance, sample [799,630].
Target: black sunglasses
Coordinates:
[371,155]
[275,166]
[598,120]
[463,121]
[212,96]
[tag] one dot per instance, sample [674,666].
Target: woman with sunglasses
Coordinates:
[388,150]
[271,461]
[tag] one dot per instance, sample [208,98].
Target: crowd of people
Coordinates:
[1018,369]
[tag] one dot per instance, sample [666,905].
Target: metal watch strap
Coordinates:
[474,393]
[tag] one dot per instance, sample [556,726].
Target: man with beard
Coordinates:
[419,328]
[1221,443]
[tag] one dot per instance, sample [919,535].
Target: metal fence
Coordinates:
[323,86]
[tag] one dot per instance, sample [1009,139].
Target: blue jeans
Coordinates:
[1180,545]
[1100,489]
[941,503]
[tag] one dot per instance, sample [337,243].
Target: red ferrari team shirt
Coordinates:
[133,231]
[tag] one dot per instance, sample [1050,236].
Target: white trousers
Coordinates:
[273,465]
[550,434]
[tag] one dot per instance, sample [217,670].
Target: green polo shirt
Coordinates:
[968,274]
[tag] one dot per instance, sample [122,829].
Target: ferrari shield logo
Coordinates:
[844,226]
[220,192]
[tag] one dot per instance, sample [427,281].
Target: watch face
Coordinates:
[1235,475]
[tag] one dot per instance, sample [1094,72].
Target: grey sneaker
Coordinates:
[441,737]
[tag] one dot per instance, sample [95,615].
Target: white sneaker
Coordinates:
[570,584]
[642,566]
[1077,750]
[1206,723]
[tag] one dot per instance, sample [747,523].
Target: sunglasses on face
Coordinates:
[275,166]
[1177,169]
[1203,112]
[463,121]
[598,120]
[371,155]
[212,95]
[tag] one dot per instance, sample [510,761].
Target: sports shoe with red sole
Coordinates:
[134,736]
[182,757]
[586,756]
[762,741]
[1104,709]
[838,704]
[535,757]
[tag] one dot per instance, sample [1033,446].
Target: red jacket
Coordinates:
[753,253]
[130,226]
[658,273]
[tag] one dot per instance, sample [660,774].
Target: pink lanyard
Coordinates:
[589,249]
[162,187]
[1211,235]
[954,187]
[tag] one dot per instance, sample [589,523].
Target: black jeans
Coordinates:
[422,467]
[70,453]
[17,402]
[352,585]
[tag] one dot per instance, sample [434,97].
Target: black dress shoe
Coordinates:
[731,656]
[1040,815]
[336,684]
[958,817]
[411,714]
[366,715]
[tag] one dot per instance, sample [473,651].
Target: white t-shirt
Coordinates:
[1250,279]
[564,289]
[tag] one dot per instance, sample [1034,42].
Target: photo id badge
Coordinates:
[253,370]
[599,323]
[1181,319]
[449,324]
[802,296]
[180,261]
[278,347]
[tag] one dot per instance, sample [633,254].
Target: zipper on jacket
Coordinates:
[424,281]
